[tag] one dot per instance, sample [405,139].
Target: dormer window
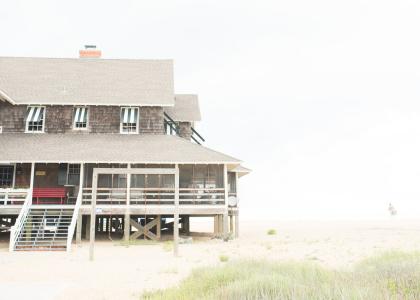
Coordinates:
[35,117]
[80,120]
[129,120]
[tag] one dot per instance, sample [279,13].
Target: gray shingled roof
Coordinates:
[186,108]
[87,81]
[105,148]
[241,170]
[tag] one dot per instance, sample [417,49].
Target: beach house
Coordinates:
[91,145]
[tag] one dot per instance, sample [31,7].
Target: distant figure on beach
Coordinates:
[392,210]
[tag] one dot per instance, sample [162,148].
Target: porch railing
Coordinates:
[197,196]
[13,196]
[155,196]
[20,221]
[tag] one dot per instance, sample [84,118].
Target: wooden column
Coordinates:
[87,228]
[225,214]
[237,225]
[28,232]
[79,229]
[80,196]
[93,215]
[127,224]
[237,207]
[176,213]
[216,225]
[221,226]
[159,227]
[31,184]
[187,225]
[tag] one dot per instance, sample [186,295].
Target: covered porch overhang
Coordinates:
[199,185]
[54,162]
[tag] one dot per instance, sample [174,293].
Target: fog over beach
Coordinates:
[319,99]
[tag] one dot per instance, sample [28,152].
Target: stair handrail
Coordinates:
[172,124]
[195,136]
[17,228]
[196,133]
[72,227]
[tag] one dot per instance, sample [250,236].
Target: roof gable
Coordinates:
[186,108]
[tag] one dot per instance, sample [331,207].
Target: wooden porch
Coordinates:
[104,191]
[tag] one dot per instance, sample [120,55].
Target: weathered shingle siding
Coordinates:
[58,119]
[185,130]
[151,120]
[104,119]
[12,118]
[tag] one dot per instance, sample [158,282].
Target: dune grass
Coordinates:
[393,275]
[138,242]
[223,258]
[168,246]
[271,232]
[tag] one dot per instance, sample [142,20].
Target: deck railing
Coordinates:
[155,196]
[199,196]
[13,196]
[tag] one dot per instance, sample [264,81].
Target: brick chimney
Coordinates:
[90,51]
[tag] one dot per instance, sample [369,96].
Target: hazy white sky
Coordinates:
[319,98]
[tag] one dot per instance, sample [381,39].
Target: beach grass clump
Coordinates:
[168,246]
[223,258]
[271,232]
[137,242]
[393,275]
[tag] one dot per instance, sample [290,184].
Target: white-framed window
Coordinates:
[171,128]
[73,174]
[80,118]
[129,120]
[35,117]
[7,176]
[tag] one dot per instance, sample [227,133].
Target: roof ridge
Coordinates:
[90,59]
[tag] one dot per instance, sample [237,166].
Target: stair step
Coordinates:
[60,241]
[60,248]
[45,229]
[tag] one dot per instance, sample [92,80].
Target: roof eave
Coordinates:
[5,97]
[123,162]
[89,104]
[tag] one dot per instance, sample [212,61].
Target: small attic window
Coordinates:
[80,120]
[35,117]
[129,120]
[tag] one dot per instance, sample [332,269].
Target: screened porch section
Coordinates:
[198,184]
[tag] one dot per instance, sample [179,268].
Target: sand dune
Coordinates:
[125,272]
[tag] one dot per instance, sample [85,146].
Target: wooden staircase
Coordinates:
[45,229]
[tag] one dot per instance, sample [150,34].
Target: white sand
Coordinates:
[119,272]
